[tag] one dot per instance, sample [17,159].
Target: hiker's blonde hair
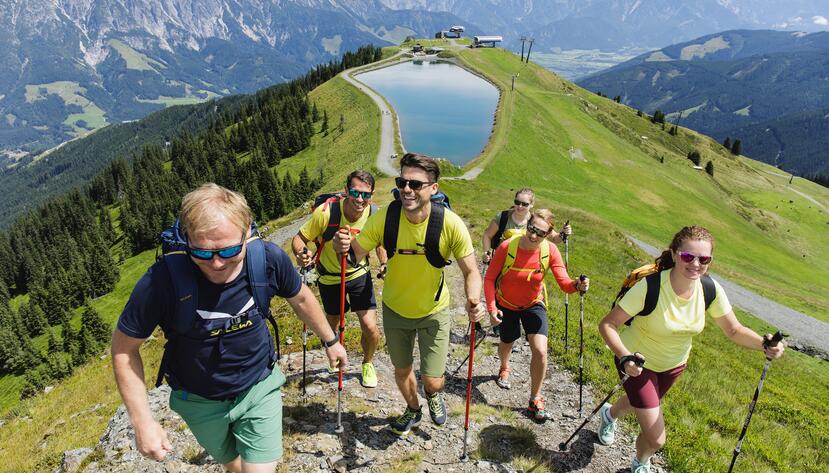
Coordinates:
[202,210]
[544,214]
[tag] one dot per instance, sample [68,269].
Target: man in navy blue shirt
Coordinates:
[219,359]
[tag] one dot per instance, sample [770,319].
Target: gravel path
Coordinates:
[810,333]
[384,160]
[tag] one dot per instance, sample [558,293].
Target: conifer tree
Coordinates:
[709,168]
[33,318]
[727,143]
[315,113]
[737,148]
[53,344]
[93,324]
[342,123]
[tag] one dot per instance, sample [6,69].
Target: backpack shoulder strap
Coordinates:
[391,227]
[256,264]
[334,217]
[183,280]
[544,256]
[433,231]
[502,225]
[509,260]
[652,295]
[709,290]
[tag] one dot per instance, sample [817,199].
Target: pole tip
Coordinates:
[339,429]
[464,458]
[562,446]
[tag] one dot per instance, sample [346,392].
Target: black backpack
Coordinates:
[431,246]
[174,253]
[503,218]
[332,201]
[654,281]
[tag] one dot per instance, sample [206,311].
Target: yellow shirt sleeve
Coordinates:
[314,227]
[460,241]
[371,236]
[720,306]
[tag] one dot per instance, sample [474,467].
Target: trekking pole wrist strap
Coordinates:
[636,358]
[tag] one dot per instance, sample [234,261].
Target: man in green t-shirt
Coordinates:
[415,301]
[353,209]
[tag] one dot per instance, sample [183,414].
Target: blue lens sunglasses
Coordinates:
[207,255]
[366,195]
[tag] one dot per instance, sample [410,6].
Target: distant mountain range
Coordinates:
[67,67]
[612,25]
[770,89]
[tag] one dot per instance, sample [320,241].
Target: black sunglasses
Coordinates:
[413,184]
[521,203]
[533,229]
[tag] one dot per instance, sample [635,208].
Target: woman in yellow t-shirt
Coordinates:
[663,338]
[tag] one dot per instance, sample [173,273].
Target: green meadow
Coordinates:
[612,174]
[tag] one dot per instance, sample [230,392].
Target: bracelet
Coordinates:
[333,342]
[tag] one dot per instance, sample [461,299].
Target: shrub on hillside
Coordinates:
[737,148]
[695,157]
[658,117]
[709,168]
[727,143]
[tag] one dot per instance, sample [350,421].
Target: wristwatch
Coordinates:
[333,342]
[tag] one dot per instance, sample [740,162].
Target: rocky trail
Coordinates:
[502,437]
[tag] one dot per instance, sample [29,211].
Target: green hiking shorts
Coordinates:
[249,426]
[432,339]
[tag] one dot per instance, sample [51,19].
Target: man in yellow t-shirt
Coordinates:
[353,211]
[415,296]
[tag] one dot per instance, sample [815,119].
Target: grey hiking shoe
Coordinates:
[636,467]
[503,378]
[607,427]
[406,422]
[437,409]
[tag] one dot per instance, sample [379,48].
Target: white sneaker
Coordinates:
[636,467]
[607,427]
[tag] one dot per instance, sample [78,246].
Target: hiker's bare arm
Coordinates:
[745,337]
[472,286]
[150,437]
[489,233]
[309,311]
[555,236]
[382,256]
[609,329]
[344,240]
[298,245]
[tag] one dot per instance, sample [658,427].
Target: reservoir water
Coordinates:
[444,110]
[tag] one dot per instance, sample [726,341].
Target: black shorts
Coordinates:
[534,320]
[359,295]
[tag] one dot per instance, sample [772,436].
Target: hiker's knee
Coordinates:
[654,438]
[433,385]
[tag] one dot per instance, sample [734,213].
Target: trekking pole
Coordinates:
[566,296]
[766,343]
[471,357]
[581,344]
[339,428]
[304,272]
[477,344]
[563,445]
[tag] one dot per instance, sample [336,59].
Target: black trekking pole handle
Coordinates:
[564,235]
[563,445]
[767,342]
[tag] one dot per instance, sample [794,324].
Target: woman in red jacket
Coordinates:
[515,296]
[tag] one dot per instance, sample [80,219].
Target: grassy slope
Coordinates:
[765,242]
[64,419]
[705,410]
[621,189]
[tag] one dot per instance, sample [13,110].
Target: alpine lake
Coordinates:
[444,111]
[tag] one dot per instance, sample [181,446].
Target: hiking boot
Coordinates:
[369,378]
[437,409]
[607,426]
[406,422]
[503,378]
[636,467]
[536,409]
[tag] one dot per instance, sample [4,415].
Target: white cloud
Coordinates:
[820,20]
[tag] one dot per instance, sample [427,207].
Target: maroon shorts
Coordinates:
[646,390]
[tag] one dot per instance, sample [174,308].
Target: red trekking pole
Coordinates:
[339,428]
[465,457]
